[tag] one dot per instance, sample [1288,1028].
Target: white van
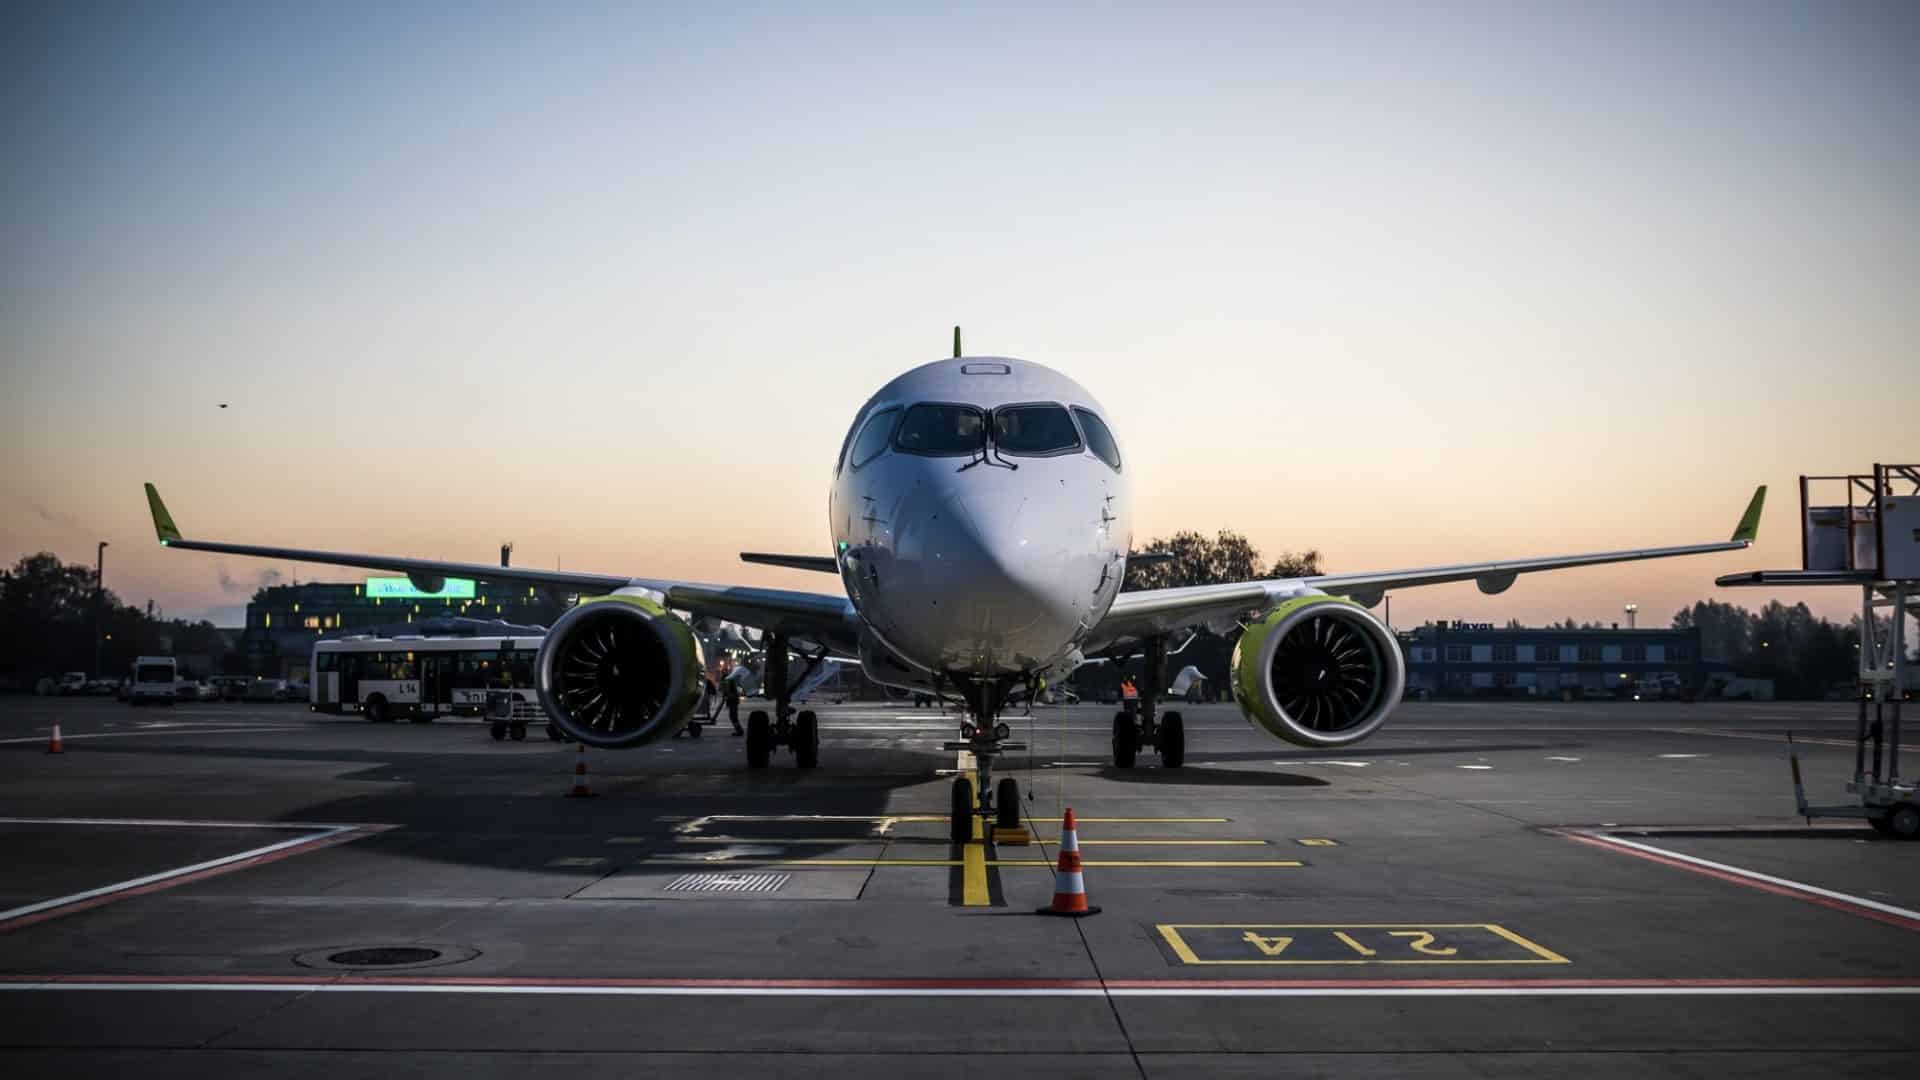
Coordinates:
[155,678]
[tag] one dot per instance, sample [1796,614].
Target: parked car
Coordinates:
[102,687]
[73,682]
[264,689]
[231,687]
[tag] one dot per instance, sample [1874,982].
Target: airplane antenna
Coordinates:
[956,343]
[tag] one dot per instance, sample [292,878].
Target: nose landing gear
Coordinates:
[986,739]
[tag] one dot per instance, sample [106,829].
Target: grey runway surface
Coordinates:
[1494,889]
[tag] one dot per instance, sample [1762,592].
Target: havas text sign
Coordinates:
[399,588]
[1458,624]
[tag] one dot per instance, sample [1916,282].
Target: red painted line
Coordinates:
[315,844]
[345,979]
[1764,886]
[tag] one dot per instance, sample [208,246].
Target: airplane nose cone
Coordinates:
[1013,587]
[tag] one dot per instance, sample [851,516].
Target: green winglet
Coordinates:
[163,526]
[956,343]
[1749,526]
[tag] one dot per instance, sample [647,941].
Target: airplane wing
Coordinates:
[1159,611]
[829,618]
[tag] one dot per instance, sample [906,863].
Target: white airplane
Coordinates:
[981,524]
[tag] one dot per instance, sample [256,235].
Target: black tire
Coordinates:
[1126,741]
[1173,741]
[517,732]
[693,729]
[806,739]
[759,740]
[1904,821]
[498,731]
[1006,803]
[962,822]
[553,732]
[377,711]
[1882,825]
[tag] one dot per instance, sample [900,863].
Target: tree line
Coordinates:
[48,616]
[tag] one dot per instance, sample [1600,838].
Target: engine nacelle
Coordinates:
[1318,671]
[619,670]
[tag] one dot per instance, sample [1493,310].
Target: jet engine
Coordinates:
[1318,671]
[619,671]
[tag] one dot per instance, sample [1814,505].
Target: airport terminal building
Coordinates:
[284,621]
[1462,659]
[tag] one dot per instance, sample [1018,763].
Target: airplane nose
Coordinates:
[1014,584]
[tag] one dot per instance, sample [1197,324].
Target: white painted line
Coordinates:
[1482,767]
[1558,758]
[184,823]
[166,875]
[1319,991]
[134,734]
[1755,875]
[1323,761]
[1679,757]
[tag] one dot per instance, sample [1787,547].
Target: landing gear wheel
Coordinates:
[498,731]
[1006,803]
[759,739]
[806,739]
[693,730]
[553,732]
[1173,741]
[1882,825]
[1126,741]
[962,823]
[377,710]
[518,732]
[1904,821]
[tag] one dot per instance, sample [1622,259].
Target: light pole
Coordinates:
[1632,610]
[99,594]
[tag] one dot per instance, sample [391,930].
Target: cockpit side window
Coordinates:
[874,437]
[1099,439]
[942,430]
[1034,430]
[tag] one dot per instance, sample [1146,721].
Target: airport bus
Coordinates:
[425,677]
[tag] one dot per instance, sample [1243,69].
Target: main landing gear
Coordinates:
[1141,727]
[799,732]
[986,738]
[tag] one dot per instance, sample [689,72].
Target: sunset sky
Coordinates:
[1410,283]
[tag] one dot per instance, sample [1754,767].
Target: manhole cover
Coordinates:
[365,957]
[383,956]
[729,883]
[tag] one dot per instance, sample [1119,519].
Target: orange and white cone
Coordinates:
[54,745]
[1069,885]
[580,789]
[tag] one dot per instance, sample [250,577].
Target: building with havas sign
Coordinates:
[284,621]
[1462,659]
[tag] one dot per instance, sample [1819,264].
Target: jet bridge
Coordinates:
[1863,531]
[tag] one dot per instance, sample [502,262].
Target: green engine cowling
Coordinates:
[620,670]
[1318,671]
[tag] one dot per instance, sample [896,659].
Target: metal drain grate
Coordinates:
[731,883]
[384,956]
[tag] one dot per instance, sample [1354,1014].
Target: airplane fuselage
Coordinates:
[980,516]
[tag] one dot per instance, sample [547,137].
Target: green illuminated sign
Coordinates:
[399,588]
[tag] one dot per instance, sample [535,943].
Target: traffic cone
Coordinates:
[53,741]
[580,789]
[1069,885]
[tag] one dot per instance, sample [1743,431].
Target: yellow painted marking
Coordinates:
[1272,946]
[973,872]
[1418,939]
[1038,864]
[1423,942]
[1316,841]
[1356,946]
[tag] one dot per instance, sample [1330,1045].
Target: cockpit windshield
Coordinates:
[1034,430]
[942,430]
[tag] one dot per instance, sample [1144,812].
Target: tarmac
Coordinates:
[1483,889]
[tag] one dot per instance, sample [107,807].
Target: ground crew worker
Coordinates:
[1129,696]
[730,689]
